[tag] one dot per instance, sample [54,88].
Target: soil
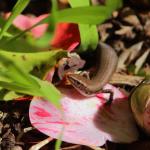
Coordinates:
[16,132]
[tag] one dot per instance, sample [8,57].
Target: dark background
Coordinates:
[36,7]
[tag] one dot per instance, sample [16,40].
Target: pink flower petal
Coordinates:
[86,120]
[24,22]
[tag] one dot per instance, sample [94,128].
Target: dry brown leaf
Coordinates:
[118,45]
[126,31]
[147,28]
[125,79]
[144,17]
[39,145]
[129,55]
[141,60]
[126,11]
[147,70]
[115,14]
[135,51]
[103,31]
[133,20]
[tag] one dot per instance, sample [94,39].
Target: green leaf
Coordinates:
[83,28]
[2,21]
[89,37]
[54,6]
[41,42]
[30,60]
[17,45]
[26,83]
[113,5]
[86,30]
[14,73]
[18,8]
[52,18]
[84,15]
[99,13]
[91,15]
[76,3]
[94,37]
[58,144]
[7,34]
[42,61]
[49,92]
[9,95]
[18,87]
[84,36]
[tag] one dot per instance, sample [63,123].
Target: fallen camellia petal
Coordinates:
[86,121]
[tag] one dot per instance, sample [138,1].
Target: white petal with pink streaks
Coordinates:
[84,121]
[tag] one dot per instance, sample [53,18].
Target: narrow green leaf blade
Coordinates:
[20,88]
[11,71]
[22,82]
[113,4]
[76,3]
[91,15]
[84,14]
[94,37]
[49,92]
[83,28]
[27,61]
[84,36]
[18,8]
[88,33]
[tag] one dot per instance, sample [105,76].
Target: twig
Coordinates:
[96,148]
[41,144]
[70,147]
[25,130]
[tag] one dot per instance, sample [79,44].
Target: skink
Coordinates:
[106,65]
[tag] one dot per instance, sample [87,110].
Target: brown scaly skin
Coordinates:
[106,65]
